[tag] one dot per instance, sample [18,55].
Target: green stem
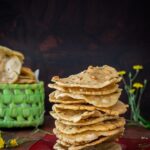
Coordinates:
[133,104]
[130,80]
[42,131]
[139,100]
[135,75]
[141,93]
[144,122]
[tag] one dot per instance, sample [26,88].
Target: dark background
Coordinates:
[62,37]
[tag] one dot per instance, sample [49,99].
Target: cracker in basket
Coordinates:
[83,122]
[27,72]
[84,137]
[96,100]
[8,52]
[101,126]
[93,77]
[26,76]
[64,100]
[22,80]
[11,70]
[76,116]
[86,91]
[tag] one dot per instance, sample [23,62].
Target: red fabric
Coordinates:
[134,144]
[44,144]
[127,144]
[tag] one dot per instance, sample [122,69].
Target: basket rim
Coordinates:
[18,86]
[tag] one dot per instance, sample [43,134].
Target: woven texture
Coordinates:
[21,105]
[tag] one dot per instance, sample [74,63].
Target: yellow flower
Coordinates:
[131,91]
[138,85]
[2,143]
[13,143]
[137,67]
[122,72]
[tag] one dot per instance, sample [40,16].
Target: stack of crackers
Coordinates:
[87,109]
[11,69]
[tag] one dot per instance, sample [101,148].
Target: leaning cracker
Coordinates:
[84,137]
[96,100]
[9,52]
[93,77]
[11,70]
[101,126]
[86,91]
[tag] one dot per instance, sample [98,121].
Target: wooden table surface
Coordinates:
[130,132]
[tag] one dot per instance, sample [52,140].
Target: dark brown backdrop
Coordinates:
[62,37]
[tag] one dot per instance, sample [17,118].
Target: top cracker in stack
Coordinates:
[87,108]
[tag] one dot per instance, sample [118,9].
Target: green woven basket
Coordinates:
[21,105]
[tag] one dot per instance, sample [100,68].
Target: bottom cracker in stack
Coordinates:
[87,116]
[102,146]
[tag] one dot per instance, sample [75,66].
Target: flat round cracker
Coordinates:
[86,91]
[60,145]
[65,144]
[96,142]
[105,146]
[83,122]
[75,116]
[94,145]
[93,77]
[101,126]
[96,100]
[75,107]
[64,100]
[84,137]
[117,109]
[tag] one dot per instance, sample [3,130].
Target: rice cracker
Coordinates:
[93,77]
[87,91]
[101,126]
